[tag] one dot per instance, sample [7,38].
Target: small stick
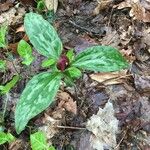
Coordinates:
[117,146]
[68,127]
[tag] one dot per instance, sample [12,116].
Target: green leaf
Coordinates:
[70,55]
[100,58]
[51,148]
[42,35]
[3,32]
[36,97]
[6,137]
[38,141]
[41,5]
[73,72]
[6,88]
[48,62]
[25,51]
[2,65]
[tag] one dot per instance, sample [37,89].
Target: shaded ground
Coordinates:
[79,25]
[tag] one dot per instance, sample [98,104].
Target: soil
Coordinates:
[81,25]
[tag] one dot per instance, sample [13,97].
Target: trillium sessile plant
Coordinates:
[41,90]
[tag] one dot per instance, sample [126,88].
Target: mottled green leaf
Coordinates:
[25,51]
[70,55]
[6,137]
[38,141]
[100,58]
[3,32]
[48,62]
[42,35]
[2,65]
[73,72]
[6,88]
[36,97]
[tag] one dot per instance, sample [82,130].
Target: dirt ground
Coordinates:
[123,24]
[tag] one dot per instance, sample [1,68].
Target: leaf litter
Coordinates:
[123,25]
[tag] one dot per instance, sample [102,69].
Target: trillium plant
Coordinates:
[41,90]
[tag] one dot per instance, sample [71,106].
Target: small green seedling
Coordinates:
[41,90]
[4,89]
[3,32]
[39,142]
[6,137]
[2,65]
[25,51]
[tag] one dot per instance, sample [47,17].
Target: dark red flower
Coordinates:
[62,63]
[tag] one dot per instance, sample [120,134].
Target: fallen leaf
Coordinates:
[49,127]
[51,4]
[18,144]
[9,17]
[112,39]
[13,46]
[5,6]
[20,29]
[137,10]
[145,4]
[104,127]
[67,102]
[142,83]
[102,4]
[110,78]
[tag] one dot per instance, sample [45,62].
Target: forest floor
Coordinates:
[123,24]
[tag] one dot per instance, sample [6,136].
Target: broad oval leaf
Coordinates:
[100,58]
[42,35]
[36,97]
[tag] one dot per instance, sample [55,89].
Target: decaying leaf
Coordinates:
[18,144]
[5,6]
[67,102]
[104,127]
[9,17]
[49,127]
[51,4]
[145,4]
[20,29]
[102,4]
[142,83]
[109,78]
[137,11]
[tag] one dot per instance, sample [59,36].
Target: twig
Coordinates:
[68,127]
[117,146]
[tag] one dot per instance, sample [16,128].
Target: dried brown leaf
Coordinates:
[9,17]
[67,102]
[138,9]
[5,6]
[20,29]
[18,144]
[109,78]
[104,127]
[50,127]
[51,4]
[102,4]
